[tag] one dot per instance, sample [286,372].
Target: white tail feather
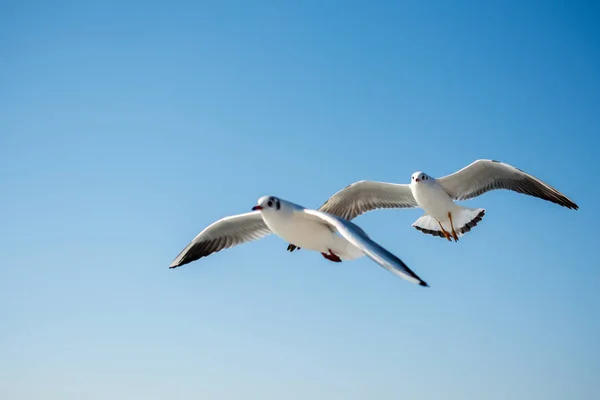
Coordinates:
[463,219]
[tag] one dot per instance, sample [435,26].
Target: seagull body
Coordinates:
[442,214]
[443,217]
[292,225]
[335,238]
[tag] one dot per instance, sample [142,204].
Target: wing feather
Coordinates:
[483,176]
[363,196]
[223,234]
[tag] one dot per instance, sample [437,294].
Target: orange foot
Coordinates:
[331,256]
[452,225]
[444,232]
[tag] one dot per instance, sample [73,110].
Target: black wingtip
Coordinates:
[423,283]
[179,264]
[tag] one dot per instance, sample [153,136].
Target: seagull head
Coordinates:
[267,203]
[418,177]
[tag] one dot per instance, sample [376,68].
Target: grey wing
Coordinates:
[355,235]
[225,233]
[363,196]
[483,176]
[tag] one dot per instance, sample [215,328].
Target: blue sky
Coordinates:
[126,128]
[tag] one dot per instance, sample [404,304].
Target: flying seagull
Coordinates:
[311,229]
[436,197]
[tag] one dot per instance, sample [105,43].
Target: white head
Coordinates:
[419,177]
[266,203]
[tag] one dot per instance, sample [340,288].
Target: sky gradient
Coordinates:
[128,127]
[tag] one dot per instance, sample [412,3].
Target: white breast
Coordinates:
[303,232]
[310,234]
[433,199]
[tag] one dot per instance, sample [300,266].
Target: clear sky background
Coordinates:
[126,128]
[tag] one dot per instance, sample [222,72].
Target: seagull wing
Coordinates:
[355,235]
[485,175]
[225,233]
[363,196]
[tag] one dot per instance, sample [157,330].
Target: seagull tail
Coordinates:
[463,219]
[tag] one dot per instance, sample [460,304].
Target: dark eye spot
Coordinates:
[270,203]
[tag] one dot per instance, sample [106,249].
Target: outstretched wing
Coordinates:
[483,176]
[363,196]
[225,233]
[355,235]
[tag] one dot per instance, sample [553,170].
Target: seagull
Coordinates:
[335,238]
[437,197]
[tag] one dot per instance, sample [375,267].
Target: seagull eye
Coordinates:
[270,203]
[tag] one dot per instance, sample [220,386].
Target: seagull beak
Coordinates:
[256,208]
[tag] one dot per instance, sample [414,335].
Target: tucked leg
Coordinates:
[292,247]
[444,232]
[452,226]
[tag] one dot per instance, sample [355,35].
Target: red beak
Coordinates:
[256,208]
